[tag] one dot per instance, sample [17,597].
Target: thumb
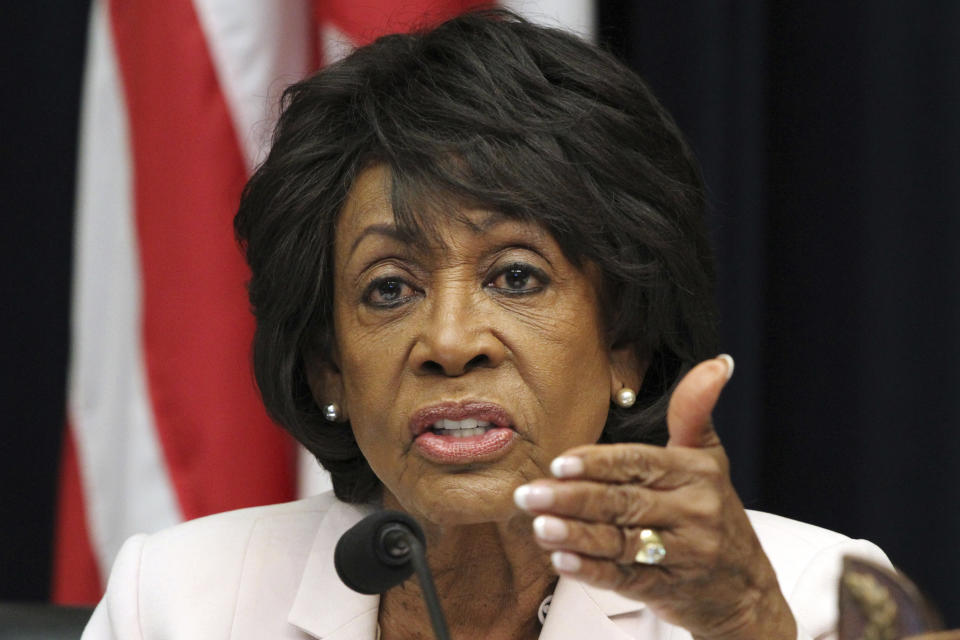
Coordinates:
[688,416]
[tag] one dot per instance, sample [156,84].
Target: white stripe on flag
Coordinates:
[123,474]
[334,43]
[577,16]
[258,49]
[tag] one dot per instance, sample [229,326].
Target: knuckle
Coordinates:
[637,508]
[618,458]
[630,463]
[625,505]
[599,540]
[572,498]
[709,468]
[629,545]
[707,507]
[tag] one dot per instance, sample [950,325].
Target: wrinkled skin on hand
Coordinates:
[715,580]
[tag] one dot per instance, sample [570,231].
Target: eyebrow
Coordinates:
[381,229]
[394,233]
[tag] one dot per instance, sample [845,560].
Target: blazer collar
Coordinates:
[581,611]
[609,602]
[326,608]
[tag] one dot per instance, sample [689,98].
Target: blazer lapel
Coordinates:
[324,607]
[580,611]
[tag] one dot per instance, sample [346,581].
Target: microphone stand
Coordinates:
[419,560]
[402,544]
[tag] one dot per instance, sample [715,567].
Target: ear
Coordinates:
[326,382]
[626,368]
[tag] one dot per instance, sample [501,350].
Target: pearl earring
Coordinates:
[331,412]
[625,397]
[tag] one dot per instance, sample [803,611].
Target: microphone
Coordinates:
[383,550]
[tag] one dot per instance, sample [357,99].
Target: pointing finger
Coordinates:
[619,504]
[639,464]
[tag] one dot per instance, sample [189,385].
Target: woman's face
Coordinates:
[465,361]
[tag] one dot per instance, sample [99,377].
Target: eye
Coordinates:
[388,292]
[519,278]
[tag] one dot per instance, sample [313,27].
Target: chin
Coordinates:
[457,501]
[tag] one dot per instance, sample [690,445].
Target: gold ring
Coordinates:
[652,550]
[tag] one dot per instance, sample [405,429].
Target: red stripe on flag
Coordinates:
[76,578]
[221,449]
[367,20]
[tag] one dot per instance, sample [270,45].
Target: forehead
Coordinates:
[368,210]
[368,201]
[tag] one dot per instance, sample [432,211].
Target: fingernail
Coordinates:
[566,466]
[533,496]
[550,529]
[729,360]
[565,562]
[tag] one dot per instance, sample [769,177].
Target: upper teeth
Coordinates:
[469,423]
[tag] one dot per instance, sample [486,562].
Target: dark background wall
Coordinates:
[830,139]
[42,56]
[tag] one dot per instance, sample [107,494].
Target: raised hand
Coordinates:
[598,516]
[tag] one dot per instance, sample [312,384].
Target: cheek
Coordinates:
[371,360]
[574,386]
[371,367]
[370,384]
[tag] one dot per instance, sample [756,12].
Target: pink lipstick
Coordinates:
[462,432]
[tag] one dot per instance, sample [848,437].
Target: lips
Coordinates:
[452,412]
[462,432]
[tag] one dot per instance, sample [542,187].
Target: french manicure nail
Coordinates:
[566,466]
[550,529]
[729,360]
[532,496]
[565,562]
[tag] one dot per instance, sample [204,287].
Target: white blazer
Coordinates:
[267,572]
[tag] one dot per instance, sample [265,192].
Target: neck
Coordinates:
[490,577]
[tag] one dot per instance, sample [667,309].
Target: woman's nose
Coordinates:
[456,337]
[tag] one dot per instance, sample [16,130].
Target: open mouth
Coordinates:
[461,428]
[463,432]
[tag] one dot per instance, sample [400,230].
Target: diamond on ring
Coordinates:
[652,550]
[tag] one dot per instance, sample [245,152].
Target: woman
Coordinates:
[481,282]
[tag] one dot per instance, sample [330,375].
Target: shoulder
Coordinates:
[791,537]
[218,534]
[792,545]
[195,570]
[214,548]
[807,560]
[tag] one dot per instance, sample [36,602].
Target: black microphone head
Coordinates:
[370,557]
